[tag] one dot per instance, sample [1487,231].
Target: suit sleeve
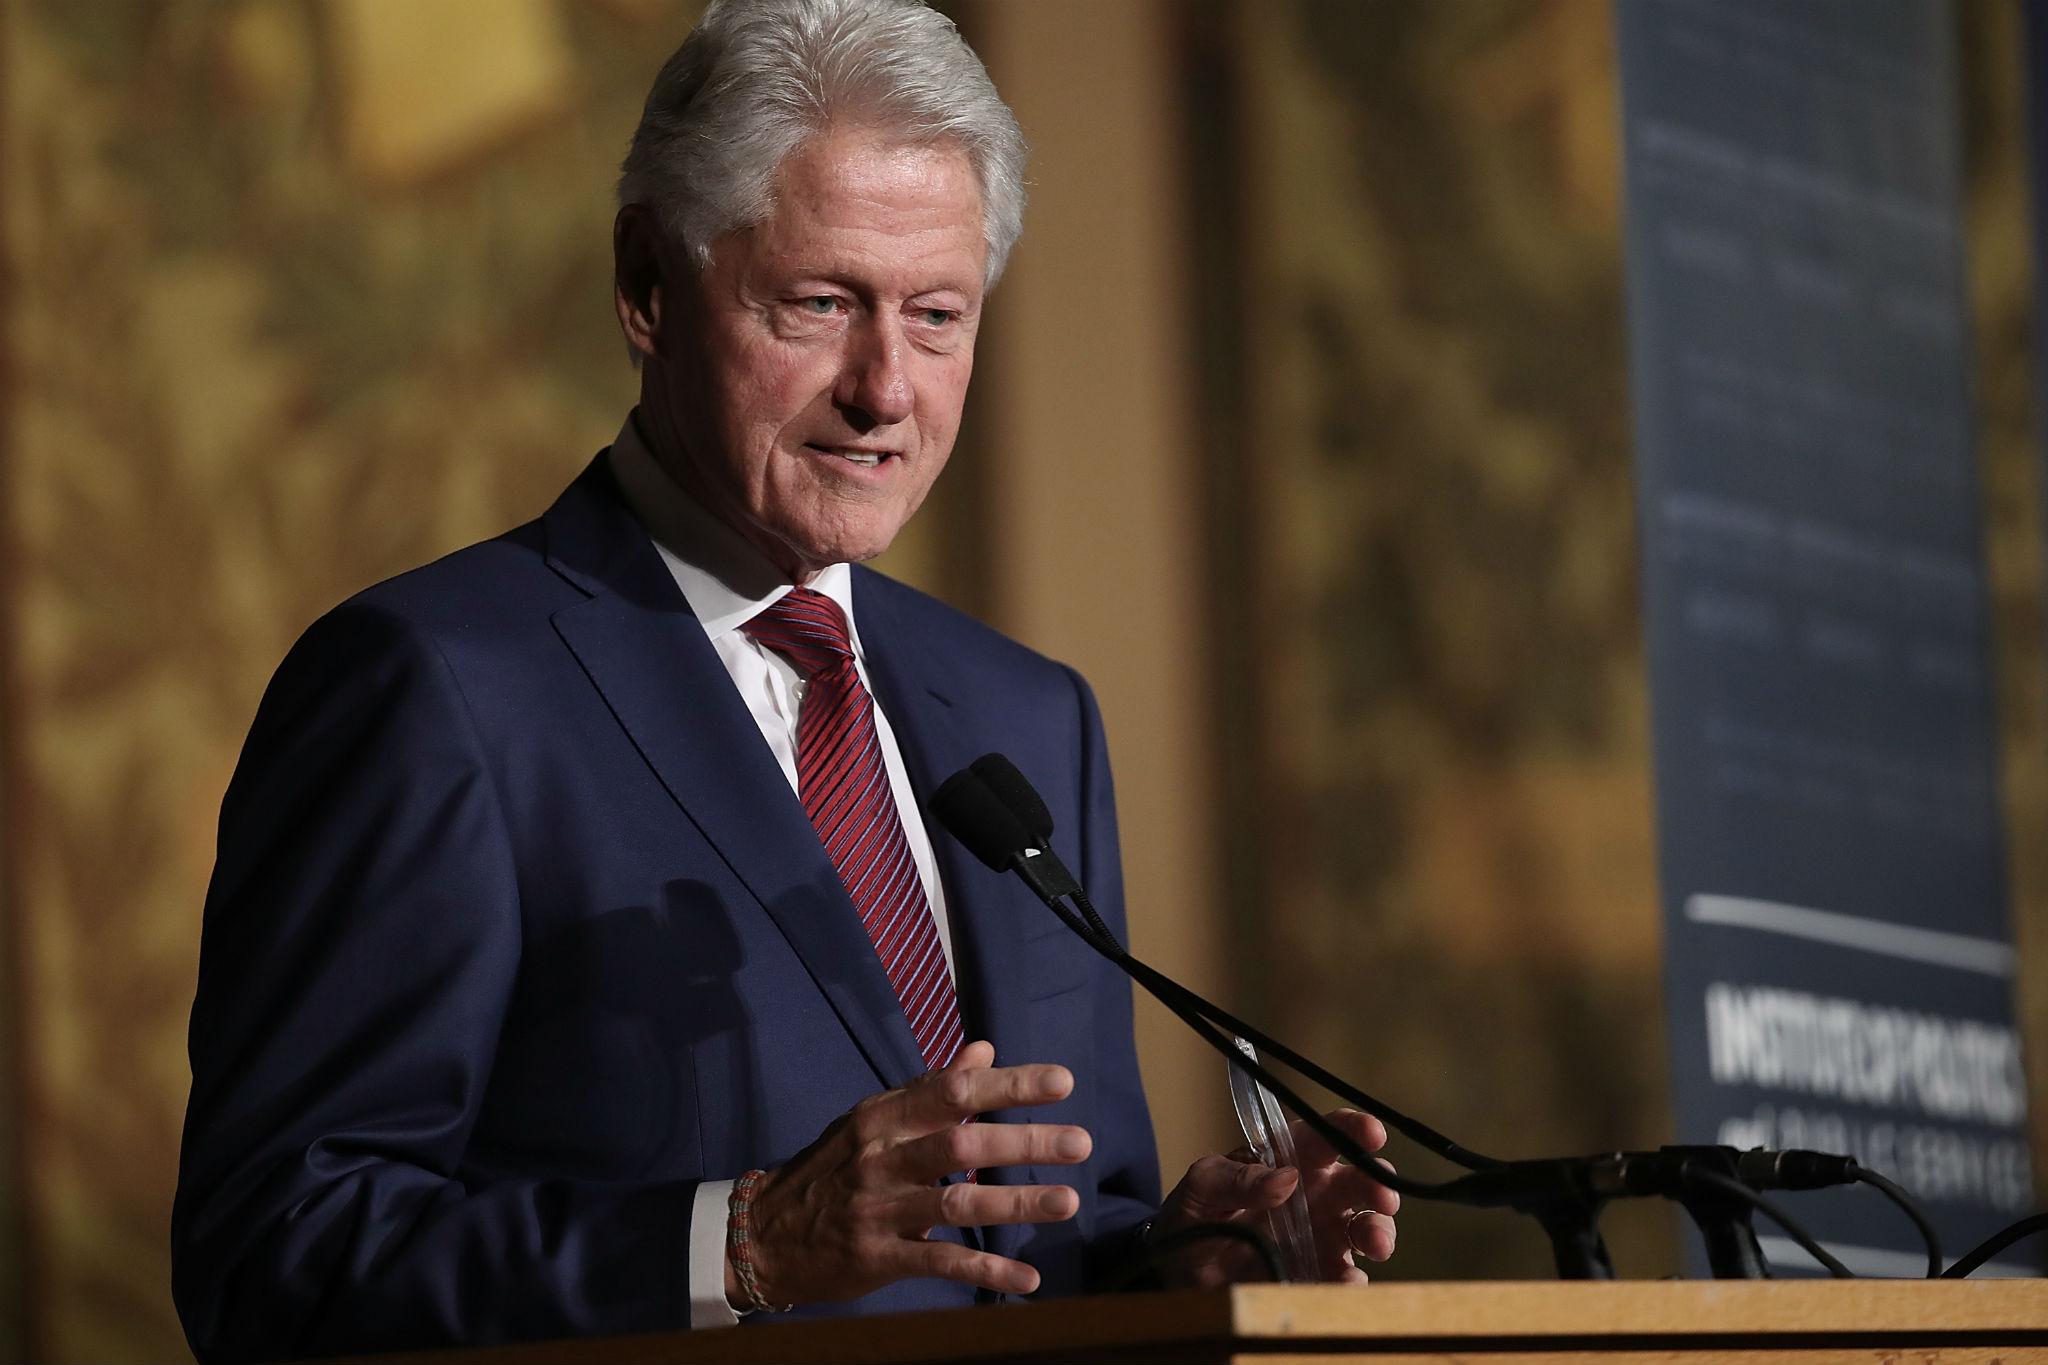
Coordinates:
[361,941]
[1127,1191]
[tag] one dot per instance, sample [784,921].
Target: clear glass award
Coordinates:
[1271,1141]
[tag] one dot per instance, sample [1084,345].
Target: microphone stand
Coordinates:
[1723,1218]
[1566,1196]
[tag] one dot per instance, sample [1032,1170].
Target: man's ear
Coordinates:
[636,277]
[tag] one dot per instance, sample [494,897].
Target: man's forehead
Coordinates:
[853,177]
[859,202]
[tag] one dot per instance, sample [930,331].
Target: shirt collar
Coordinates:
[726,581]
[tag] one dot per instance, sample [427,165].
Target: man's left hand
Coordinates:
[1350,1211]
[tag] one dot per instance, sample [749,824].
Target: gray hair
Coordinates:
[757,78]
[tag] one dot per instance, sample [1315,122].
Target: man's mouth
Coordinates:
[866,459]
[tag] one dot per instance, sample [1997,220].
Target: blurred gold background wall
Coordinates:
[1301,429]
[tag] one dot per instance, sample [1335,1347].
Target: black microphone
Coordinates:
[1014,791]
[969,806]
[1017,793]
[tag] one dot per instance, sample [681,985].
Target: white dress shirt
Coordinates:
[727,583]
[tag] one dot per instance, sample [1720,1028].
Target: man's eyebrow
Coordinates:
[799,277]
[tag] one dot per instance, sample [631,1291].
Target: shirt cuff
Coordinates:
[709,1219]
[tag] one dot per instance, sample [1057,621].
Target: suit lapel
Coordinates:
[649,658]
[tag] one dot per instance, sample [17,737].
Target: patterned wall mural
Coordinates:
[300,295]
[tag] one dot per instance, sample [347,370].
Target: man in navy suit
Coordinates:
[543,990]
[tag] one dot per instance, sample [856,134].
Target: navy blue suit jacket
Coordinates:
[517,932]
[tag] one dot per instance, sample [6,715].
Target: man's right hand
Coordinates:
[850,1212]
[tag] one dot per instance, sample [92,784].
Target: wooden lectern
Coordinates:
[1869,1322]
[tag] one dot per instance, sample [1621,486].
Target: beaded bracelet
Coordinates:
[739,1243]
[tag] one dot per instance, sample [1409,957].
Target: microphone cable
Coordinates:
[1995,1243]
[1897,1194]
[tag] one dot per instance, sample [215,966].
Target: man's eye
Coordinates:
[938,317]
[820,304]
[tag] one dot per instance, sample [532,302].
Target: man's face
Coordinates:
[806,386]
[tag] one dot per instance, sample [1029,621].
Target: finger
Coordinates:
[1371,1235]
[1348,1187]
[979,1206]
[939,1098]
[1387,1201]
[1312,1149]
[1216,1188]
[1333,1253]
[888,1114]
[1335,1257]
[1351,1274]
[951,1261]
[979,1146]
[974,1056]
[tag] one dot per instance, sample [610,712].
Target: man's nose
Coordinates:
[876,381]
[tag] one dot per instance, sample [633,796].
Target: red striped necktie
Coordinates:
[845,790]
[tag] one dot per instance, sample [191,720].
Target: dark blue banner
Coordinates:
[1838,960]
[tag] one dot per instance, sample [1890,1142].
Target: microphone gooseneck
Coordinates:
[985,815]
[971,810]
